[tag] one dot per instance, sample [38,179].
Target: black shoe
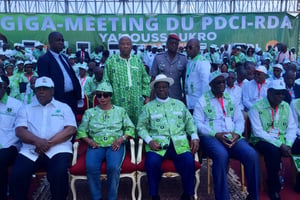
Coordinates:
[274,196]
[186,197]
[156,197]
[250,197]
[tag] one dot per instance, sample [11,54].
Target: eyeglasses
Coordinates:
[104,95]
[190,47]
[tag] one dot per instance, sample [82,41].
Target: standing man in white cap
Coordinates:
[220,124]
[127,75]
[45,127]
[255,89]
[9,142]
[172,64]
[274,132]
[164,125]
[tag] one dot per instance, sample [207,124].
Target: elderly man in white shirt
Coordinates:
[220,124]
[9,143]
[45,127]
[255,89]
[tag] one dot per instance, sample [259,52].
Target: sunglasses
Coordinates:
[104,95]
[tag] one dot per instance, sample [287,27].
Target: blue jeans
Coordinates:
[220,155]
[94,159]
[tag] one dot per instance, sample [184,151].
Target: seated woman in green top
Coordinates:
[105,128]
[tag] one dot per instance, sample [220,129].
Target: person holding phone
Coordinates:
[220,124]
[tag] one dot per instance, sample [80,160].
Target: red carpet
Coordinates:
[287,193]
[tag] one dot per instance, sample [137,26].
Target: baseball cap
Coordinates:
[278,66]
[277,85]
[44,82]
[215,74]
[261,68]
[173,36]
[104,87]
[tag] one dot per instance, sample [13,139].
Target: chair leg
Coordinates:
[133,187]
[139,176]
[243,177]
[208,175]
[261,177]
[197,176]
[73,189]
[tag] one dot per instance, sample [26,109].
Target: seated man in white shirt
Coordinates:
[220,124]
[9,143]
[255,89]
[45,128]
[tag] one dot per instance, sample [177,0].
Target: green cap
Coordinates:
[104,87]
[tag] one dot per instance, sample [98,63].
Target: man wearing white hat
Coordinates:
[9,142]
[274,132]
[212,55]
[255,89]
[277,73]
[85,81]
[45,127]
[164,125]
[38,50]
[220,124]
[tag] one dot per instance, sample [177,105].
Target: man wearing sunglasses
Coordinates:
[220,125]
[197,73]
[274,132]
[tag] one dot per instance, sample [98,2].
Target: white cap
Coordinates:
[38,44]
[44,82]
[83,66]
[19,62]
[278,66]
[261,68]
[277,85]
[239,47]
[161,78]
[215,74]
[213,46]
[27,62]
[257,49]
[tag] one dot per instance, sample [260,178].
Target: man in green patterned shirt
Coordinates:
[165,124]
[129,79]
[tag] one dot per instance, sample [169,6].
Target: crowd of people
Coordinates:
[179,100]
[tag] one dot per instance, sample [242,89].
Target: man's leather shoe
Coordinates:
[274,196]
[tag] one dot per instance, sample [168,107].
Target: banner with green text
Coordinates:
[258,29]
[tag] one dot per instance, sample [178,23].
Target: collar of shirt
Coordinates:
[35,102]
[4,99]
[54,53]
[162,100]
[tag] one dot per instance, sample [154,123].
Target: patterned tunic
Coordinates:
[130,83]
[105,126]
[166,121]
